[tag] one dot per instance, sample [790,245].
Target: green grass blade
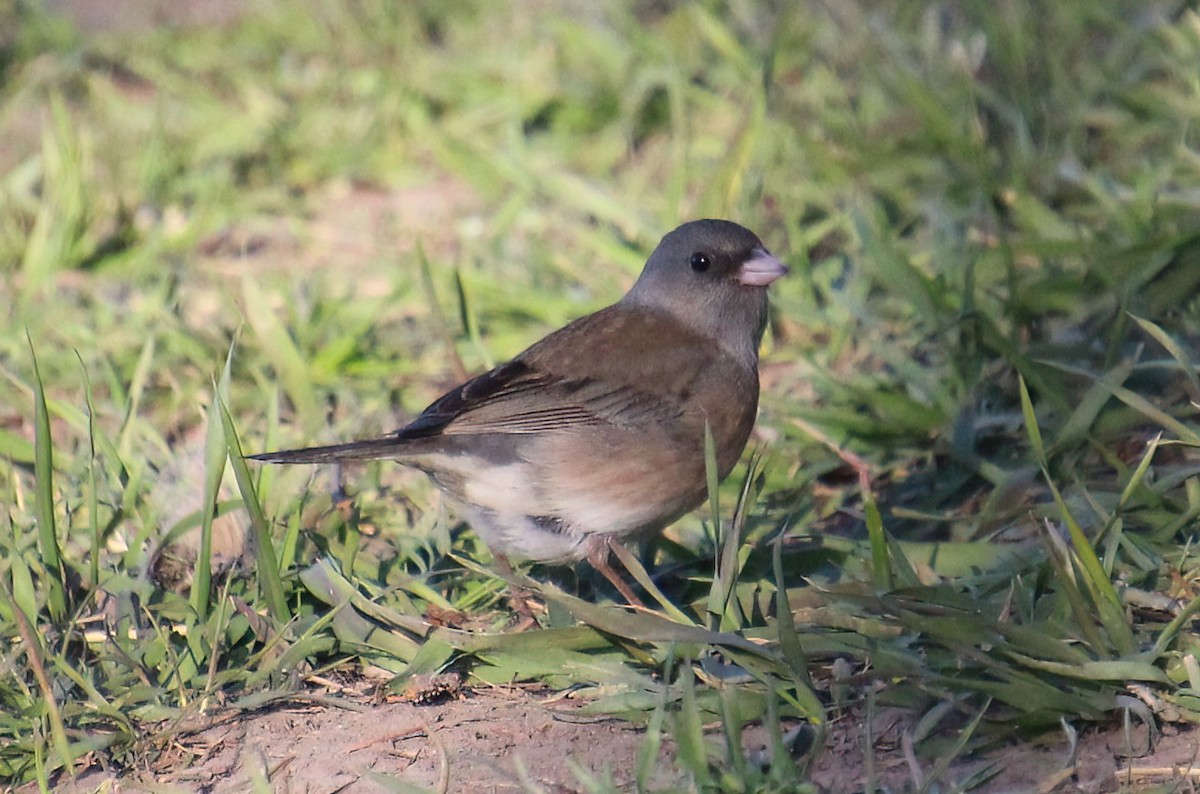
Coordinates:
[24,592]
[881,562]
[1139,403]
[43,472]
[632,564]
[789,641]
[727,541]
[1108,603]
[642,626]
[267,565]
[689,729]
[15,448]
[1176,625]
[93,503]
[1089,408]
[1138,477]
[718,593]
[956,750]
[35,654]
[214,471]
[284,356]
[137,388]
[440,323]
[1032,429]
[1177,351]
[731,724]
[647,753]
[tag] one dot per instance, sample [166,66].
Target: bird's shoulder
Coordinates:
[624,344]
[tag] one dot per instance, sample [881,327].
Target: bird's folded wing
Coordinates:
[515,398]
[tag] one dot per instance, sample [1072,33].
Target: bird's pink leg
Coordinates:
[598,555]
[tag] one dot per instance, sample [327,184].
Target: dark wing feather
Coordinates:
[515,398]
[504,382]
[616,367]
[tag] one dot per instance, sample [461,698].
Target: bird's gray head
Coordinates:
[713,276]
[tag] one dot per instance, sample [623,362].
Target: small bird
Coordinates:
[595,435]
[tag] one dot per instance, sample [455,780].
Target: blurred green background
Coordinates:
[330,213]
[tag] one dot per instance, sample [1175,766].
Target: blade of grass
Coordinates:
[286,358]
[218,625]
[24,594]
[643,578]
[641,626]
[35,655]
[1135,401]
[718,594]
[789,641]
[647,753]
[15,448]
[137,388]
[326,582]
[266,563]
[689,729]
[1175,349]
[1108,603]
[731,724]
[96,699]
[1060,557]
[1172,629]
[93,505]
[1088,408]
[470,322]
[214,471]
[440,323]
[1139,474]
[43,473]
[960,744]
[881,563]
[53,242]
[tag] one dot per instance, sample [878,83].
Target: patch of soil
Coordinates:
[494,740]
[530,739]
[1104,759]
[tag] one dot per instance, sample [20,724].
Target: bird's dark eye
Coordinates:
[700,262]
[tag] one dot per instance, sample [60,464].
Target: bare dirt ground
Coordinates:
[485,740]
[517,739]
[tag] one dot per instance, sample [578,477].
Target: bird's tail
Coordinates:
[370,449]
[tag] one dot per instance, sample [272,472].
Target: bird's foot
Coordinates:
[525,607]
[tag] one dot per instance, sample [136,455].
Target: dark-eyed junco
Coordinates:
[595,434]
